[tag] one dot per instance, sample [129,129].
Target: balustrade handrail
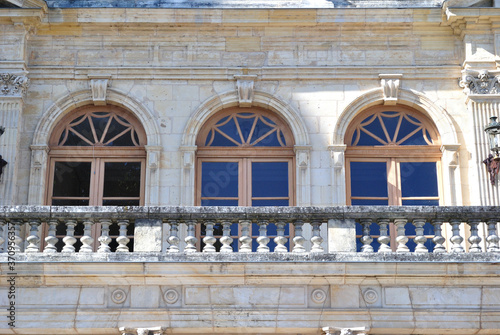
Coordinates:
[218,226]
[445,213]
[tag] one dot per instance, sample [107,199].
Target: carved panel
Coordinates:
[13,85]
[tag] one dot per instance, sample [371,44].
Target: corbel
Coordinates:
[390,87]
[99,86]
[245,87]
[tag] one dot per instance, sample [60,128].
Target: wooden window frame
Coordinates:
[393,155]
[97,155]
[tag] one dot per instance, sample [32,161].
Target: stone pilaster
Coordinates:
[12,90]
[303,171]
[481,107]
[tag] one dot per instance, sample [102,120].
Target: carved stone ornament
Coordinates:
[390,87]
[480,82]
[13,85]
[143,331]
[245,85]
[345,330]
[99,87]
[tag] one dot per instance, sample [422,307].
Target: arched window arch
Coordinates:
[97,157]
[393,157]
[245,157]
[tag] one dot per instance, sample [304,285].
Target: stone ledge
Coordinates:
[156,257]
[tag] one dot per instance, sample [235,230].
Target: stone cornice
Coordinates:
[264,73]
[471,20]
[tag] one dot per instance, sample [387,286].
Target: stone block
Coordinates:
[344,296]
[147,235]
[341,236]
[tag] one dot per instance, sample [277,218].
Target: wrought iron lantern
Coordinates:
[493,161]
[2,161]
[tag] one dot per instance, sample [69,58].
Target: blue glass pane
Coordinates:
[420,202]
[219,179]
[366,202]
[416,139]
[369,179]
[419,179]
[405,129]
[221,141]
[391,123]
[246,126]
[231,130]
[260,130]
[234,229]
[376,128]
[272,202]
[428,229]
[409,229]
[212,202]
[270,179]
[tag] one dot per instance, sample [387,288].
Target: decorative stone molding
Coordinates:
[480,82]
[171,296]
[370,296]
[143,331]
[13,85]
[390,87]
[118,296]
[318,296]
[99,87]
[245,85]
[345,331]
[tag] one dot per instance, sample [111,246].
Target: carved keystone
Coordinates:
[99,87]
[245,85]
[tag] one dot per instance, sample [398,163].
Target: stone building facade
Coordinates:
[190,115]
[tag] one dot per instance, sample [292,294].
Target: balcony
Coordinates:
[161,233]
[332,268]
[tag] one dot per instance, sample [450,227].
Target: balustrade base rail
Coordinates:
[255,230]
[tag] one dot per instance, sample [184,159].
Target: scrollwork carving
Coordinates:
[480,82]
[13,85]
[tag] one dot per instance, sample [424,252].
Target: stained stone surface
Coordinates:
[245,3]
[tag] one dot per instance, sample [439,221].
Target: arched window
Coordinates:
[97,158]
[245,157]
[393,158]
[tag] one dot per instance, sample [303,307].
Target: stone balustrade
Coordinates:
[190,230]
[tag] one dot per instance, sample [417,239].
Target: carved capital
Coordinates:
[302,154]
[99,87]
[245,85]
[13,85]
[480,82]
[337,152]
[450,154]
[390,87]
[143,331]
[154,153]
[188,154]
[345,330]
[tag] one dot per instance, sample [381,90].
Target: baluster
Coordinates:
[280,238]
[401,238]
[122,240]
[474,238]
[51,238]
[33,238]
[438,238]
[456,239]
[366,239]
[492,238]
[384,237]
[69,239]
[316,239]
[17,235]
[190,238]
[420,239]
[87,239]
[173,240]
[245,239]
[263,240]
[226,239]
[298,240]
[104,239]
[2,239]
[209,238]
